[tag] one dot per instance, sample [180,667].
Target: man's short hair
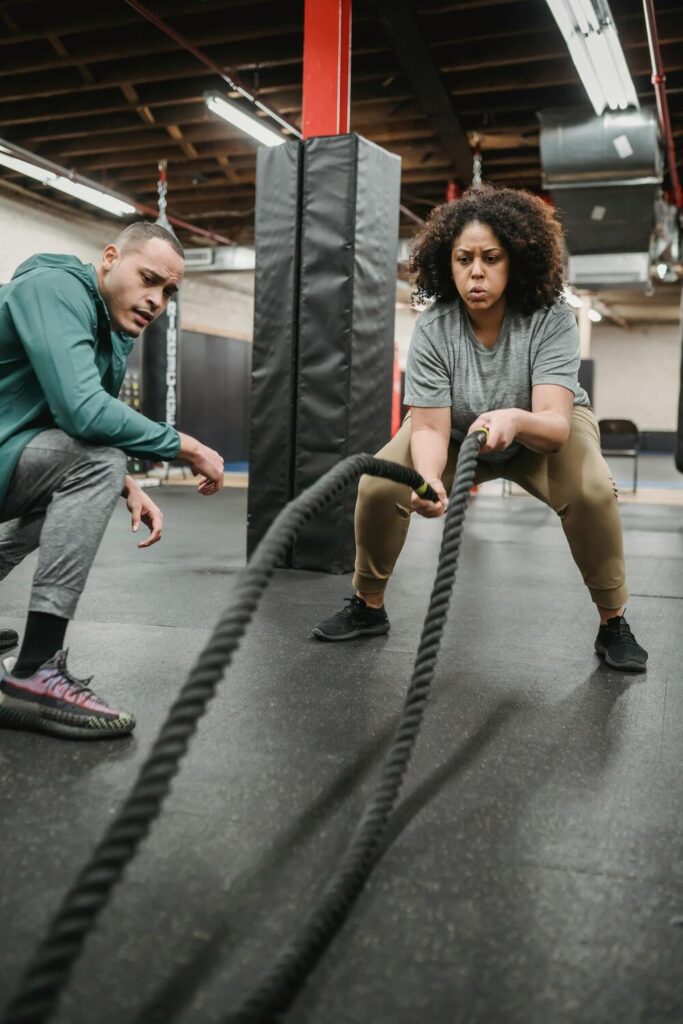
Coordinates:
[136,235]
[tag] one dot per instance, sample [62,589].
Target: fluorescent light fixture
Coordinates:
[245,122]
[594,315]
[86,193]
[591,37]
[573,300]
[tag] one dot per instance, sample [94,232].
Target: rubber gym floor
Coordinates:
[532,873]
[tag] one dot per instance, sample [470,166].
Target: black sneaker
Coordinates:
[618,646]
[55,702]
[357,619]
[8,640]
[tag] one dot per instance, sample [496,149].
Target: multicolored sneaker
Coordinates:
[9,638]
[53,701]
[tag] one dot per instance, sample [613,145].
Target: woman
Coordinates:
[498,348]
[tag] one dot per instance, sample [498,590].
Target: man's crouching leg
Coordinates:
[77,485]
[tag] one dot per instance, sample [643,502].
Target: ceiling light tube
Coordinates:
[590,16]
[245,122]
[78,190]
[620,65]
[589,31]
[608,72]
[582,63]
[601,58]
[561,16]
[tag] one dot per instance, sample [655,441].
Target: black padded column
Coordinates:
[273,367]
[678,451]
[349,239]
[333,252]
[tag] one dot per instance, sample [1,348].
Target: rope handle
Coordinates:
[427,492]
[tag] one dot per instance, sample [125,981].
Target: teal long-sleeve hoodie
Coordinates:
[62,365]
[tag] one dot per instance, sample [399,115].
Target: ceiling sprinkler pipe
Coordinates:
[659,82]
[230,79]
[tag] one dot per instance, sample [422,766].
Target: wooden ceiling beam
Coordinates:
[9,23]
[398,23]
[144,113]
[167,151]
[225,47]
[177,135]
[274,75]
[121,16]
[232,142]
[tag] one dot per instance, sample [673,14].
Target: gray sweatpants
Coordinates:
[60,499]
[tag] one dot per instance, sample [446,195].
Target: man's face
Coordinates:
[136,285]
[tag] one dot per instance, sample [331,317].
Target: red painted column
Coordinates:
[327,67]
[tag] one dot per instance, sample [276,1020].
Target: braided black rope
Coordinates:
[288,972]
[48,972]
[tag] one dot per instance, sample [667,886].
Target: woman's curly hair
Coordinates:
[527,228]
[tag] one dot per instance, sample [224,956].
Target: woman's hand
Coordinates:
[502,425]
[143,510]
[430,509]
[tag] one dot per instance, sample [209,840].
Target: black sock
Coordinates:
[44,636]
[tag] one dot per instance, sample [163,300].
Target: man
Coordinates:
[66,331]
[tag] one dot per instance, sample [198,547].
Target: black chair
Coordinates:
[620,439]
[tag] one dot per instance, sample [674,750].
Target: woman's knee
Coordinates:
[375,494]
[595,496]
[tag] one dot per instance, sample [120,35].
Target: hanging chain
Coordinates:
[162,190]
[476,164]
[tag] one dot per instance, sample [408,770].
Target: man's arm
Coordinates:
[55,325]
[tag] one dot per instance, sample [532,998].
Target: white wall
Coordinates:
[637,373]
[215,303]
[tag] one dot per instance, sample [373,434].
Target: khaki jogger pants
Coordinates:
[575,482]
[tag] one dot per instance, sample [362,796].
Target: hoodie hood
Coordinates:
[85,272]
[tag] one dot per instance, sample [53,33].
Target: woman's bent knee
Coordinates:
[595,498]
[376,493]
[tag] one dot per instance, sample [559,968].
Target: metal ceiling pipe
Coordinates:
[178,223]
[231,80]
[659,82]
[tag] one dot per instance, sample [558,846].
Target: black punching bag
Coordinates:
[160,365]
[160,343]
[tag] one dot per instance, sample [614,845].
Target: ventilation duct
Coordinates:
[604,174]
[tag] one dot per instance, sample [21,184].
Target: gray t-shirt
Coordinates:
[448,365]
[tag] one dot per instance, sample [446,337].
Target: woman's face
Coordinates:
[480,267]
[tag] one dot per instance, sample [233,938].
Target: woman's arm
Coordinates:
[544,429]
[430,434]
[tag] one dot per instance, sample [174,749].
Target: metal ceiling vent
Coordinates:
[604,174]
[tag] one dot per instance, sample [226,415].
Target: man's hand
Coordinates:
[503,427]
[430,509]
[143,510]
[204,462]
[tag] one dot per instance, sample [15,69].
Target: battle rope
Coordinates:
[288,972]
[48,972]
